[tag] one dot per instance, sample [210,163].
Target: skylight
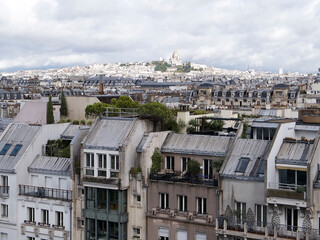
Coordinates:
[16,150]
[261,168]
[242,165]
[5,149]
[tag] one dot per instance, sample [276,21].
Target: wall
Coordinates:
[77,104]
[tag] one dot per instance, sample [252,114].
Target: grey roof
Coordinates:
[268,112]
[264,124]
[254,149]
[304,127]
[71,131]
[50,165]
[294,152]
[16,134]
[32,113]
[142,142]
[196,144]
[109,133]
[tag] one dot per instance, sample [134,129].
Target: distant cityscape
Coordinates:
[165,150]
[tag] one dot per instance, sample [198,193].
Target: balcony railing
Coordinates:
[43,192]
[171,177]
[264,229]
[4,191]
[284,190]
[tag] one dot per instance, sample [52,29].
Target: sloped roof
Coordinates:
[50,165]
[109,133]
[197,144]
[16,134]
[292,152]
[253,149]
[71,131]
[33,113]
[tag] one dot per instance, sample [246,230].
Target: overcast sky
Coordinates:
[264,34]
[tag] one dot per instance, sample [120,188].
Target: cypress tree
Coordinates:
[50,117]
[63,108]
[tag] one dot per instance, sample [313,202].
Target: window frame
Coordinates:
[5,149]
[164,201]
[182,203]
[4,210]
[201,206]
[242,165]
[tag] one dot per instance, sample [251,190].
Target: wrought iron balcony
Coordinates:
[4,191]
[263,230]
[172,177]
[43,192]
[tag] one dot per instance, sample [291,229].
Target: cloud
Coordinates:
[266,34]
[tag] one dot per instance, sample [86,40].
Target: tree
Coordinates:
[50,117]
[193,124]
[97,109]
[63,108]
[215,125]
[193,167]
[124,102]
[158,113]
[156,161]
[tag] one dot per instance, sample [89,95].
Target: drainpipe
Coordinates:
[146,211]
[218,194]
[70,208]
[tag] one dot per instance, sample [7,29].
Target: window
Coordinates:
[241,212]
[5,149]
[102,229]
[261,215]
[113,230]
[242,165]
[170,162]
[30,238]
[89,164]
[182,203]
[4,210]
[201,236]
[182,235]
[163,233]
[137,198]
[292,219]
[164,200]
[207,168]
[184,163]
[136,232]
[201,205]
[30,214]
[90,198]
[45,216]
[291,179]
[59,219]
[261,167]
[4,236]
[113,200]
[4,184]
[16,150]
[102,164]
[114,172]
[102,198]
[90,229]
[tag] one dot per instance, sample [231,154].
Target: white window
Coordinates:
[59,218]
[170,162]
[163,233]
[48,182]
[136,232]
[201,205]
[241,212]
[261,215]
[30,238]
[4,210]
[201,236]
[164,200]
[184,163]
[114,165]
[4,236]
[30,214]
[44,216]
[182,203]
[90,164]
[102,165]
[182,235]
[4,185]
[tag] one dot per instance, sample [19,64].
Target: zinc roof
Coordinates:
[294,152]
[50,165]
[197,144]
[246,148]
[16,134]
[109,133]
[71,131]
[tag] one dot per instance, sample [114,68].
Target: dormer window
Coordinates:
[16,150]
[242,165]
[5,149]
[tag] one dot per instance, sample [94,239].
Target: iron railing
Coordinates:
[43,192]
[171,177]
[4,191]
[286,186]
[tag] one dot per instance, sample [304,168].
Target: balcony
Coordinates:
[259,230]
[176,178]
[282,190]
[42,192]
[4,191]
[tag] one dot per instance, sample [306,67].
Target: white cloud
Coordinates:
[266,34]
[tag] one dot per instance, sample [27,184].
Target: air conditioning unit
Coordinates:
[172,213]
[190,215]
[154,211]
[210,219]
[23,230]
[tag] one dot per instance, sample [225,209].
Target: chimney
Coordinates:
[101,88]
